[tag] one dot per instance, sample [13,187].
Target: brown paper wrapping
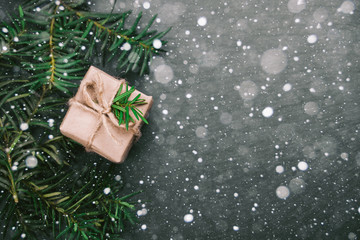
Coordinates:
[90,122]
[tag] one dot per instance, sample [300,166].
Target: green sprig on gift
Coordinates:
[122,106]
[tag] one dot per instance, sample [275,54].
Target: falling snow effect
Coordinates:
[24,126]
[255,121]
[279,169]
[126,46]
[303,166]
[107,191]
[157,43]
[273,61]
[164,74]
[142,212]
[282,192]
[146,5]
[287,87]
[248,90]
[312,38]
[31,161]
[201,132]
[347,7]
[311,108]
[202,21]
[267,112]
[296,6]
[188,218]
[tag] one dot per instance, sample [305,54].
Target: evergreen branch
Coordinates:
[15,142]
[34,111]
[16,30]
[137,48]
[50,49]
[52,200]
[83,15]
[71,212]
[121,106]
[118,35]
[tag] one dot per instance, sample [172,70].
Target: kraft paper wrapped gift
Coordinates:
[90,121]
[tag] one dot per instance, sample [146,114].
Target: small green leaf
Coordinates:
[62,200]
[135,113]
[75,22]
[26,176]
[127,117]
[17,97]
[125,94]
[67,229]
[118,107]
[127,205]
[141,116]
[116,44]
[53,155]
[144,119]
[157,36]
[68,65]
[84,235]
[119,91]
[142,34]
[21,12]
[135,24]
[88,28]
[4,183]
[48,195]
[139,111]
[66,58]
[136,98]
[105,41]
[61,88]
[145,62]
[78,202]
[121,117]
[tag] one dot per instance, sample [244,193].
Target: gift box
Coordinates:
[90,121]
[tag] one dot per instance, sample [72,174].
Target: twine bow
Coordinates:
[102,107]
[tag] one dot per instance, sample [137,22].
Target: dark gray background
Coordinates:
[209,150]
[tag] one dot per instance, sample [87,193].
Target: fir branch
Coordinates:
[136,48]
[121,106]
[56,66]
[50,48]
[76,210]
[16,140]
[9,36]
